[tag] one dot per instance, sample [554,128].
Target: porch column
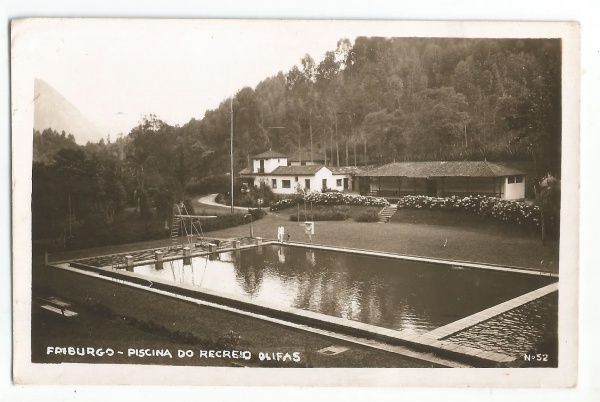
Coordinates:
[443,190]
[378,185]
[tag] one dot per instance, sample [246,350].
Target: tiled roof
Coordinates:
[442,169]
[346,170]
[302,170]
[269,154]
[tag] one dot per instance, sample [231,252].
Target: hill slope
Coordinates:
[53,110]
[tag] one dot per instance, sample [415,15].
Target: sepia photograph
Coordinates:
[199,197]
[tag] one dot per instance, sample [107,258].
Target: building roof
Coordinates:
[301,170]
[269,155]
[354,170]
[442,169]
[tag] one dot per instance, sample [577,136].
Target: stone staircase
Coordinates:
[386,213]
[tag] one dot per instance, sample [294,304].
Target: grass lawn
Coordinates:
[459,219]
[465,242]
[455,237]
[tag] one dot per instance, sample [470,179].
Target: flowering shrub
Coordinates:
[514,212]
[282,204]
[336,198]
[330,198]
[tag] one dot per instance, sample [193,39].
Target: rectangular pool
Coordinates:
[396,294]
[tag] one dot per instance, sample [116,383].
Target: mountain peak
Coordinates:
[53,110]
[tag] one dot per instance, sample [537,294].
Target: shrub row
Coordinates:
[335,198]
[337,213]
[231,220]
[329,198]
[368,215]
[514,212]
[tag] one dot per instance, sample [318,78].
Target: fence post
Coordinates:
[158,256]
[187,256]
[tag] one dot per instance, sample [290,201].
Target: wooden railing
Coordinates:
[397,193]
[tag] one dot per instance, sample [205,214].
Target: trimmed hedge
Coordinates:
[338,213]
[231,220]
[369,215]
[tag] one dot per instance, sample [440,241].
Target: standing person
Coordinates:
[280,232]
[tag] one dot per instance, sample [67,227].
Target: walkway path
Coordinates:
[210,200]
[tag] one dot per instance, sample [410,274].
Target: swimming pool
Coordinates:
[409,296]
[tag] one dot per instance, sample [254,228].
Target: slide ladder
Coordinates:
[175,226]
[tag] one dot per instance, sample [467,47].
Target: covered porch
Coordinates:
[386,186]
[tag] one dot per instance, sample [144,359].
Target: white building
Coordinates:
[272,168]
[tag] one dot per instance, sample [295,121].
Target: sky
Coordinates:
[114,71]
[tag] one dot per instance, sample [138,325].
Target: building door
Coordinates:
[262,166]
[307,184]
[346,183]
[431,188]
[324,184]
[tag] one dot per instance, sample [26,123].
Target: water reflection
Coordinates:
[249,270]
[390,293]
[311,259]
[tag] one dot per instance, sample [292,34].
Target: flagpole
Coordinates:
[231,150]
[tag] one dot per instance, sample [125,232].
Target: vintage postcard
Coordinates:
[289,202]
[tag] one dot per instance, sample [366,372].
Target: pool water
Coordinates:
[396,294]
[531,328]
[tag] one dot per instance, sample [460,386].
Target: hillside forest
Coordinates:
[370,101]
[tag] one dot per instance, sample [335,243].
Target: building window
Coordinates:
[303,163]
[519,179]
[286,184]
[274,182]
[510,179]
[296,178]
[307,184]
[338,182]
